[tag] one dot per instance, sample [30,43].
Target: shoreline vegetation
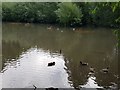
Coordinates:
[67,14]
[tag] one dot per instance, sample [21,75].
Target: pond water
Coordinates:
[28,48]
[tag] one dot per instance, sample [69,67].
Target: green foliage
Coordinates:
[46,12]
[118,37]
[7,11]
[85,8]
[105,14]
[30,12]
[100,13]
[117,33]
[69,13]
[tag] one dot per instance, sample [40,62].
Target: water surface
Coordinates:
[28,48]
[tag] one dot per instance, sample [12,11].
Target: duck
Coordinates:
[51,88]
[58,29]
[105,70]
[92,70]
[60,51]
[51,64]
[73,29]
[117,76]
[62,31]
[34,87]
[84,64]
[113,86]
[49,28]
[27,24]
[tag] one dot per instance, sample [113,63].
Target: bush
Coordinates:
[104,14]
[69,14]
[85,13]
[30,12]
[45,12]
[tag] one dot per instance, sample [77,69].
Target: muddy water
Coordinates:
[28,48]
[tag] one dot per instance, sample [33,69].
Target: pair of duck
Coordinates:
[50,27]
[92,70]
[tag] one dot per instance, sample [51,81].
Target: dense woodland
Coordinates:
[98,14]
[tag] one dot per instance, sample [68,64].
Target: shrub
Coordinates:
[69,14]
[30,12]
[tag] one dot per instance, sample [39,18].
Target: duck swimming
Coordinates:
[73,29]
[50,27]
[105,70]
[83,63]
[51,63]
[92,70]
[34,87]
[58,29]
[51,88]
[60,51]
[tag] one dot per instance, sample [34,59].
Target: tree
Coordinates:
[69,14]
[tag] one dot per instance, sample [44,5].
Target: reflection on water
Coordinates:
[91,83]
[28,49]
[31,69]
